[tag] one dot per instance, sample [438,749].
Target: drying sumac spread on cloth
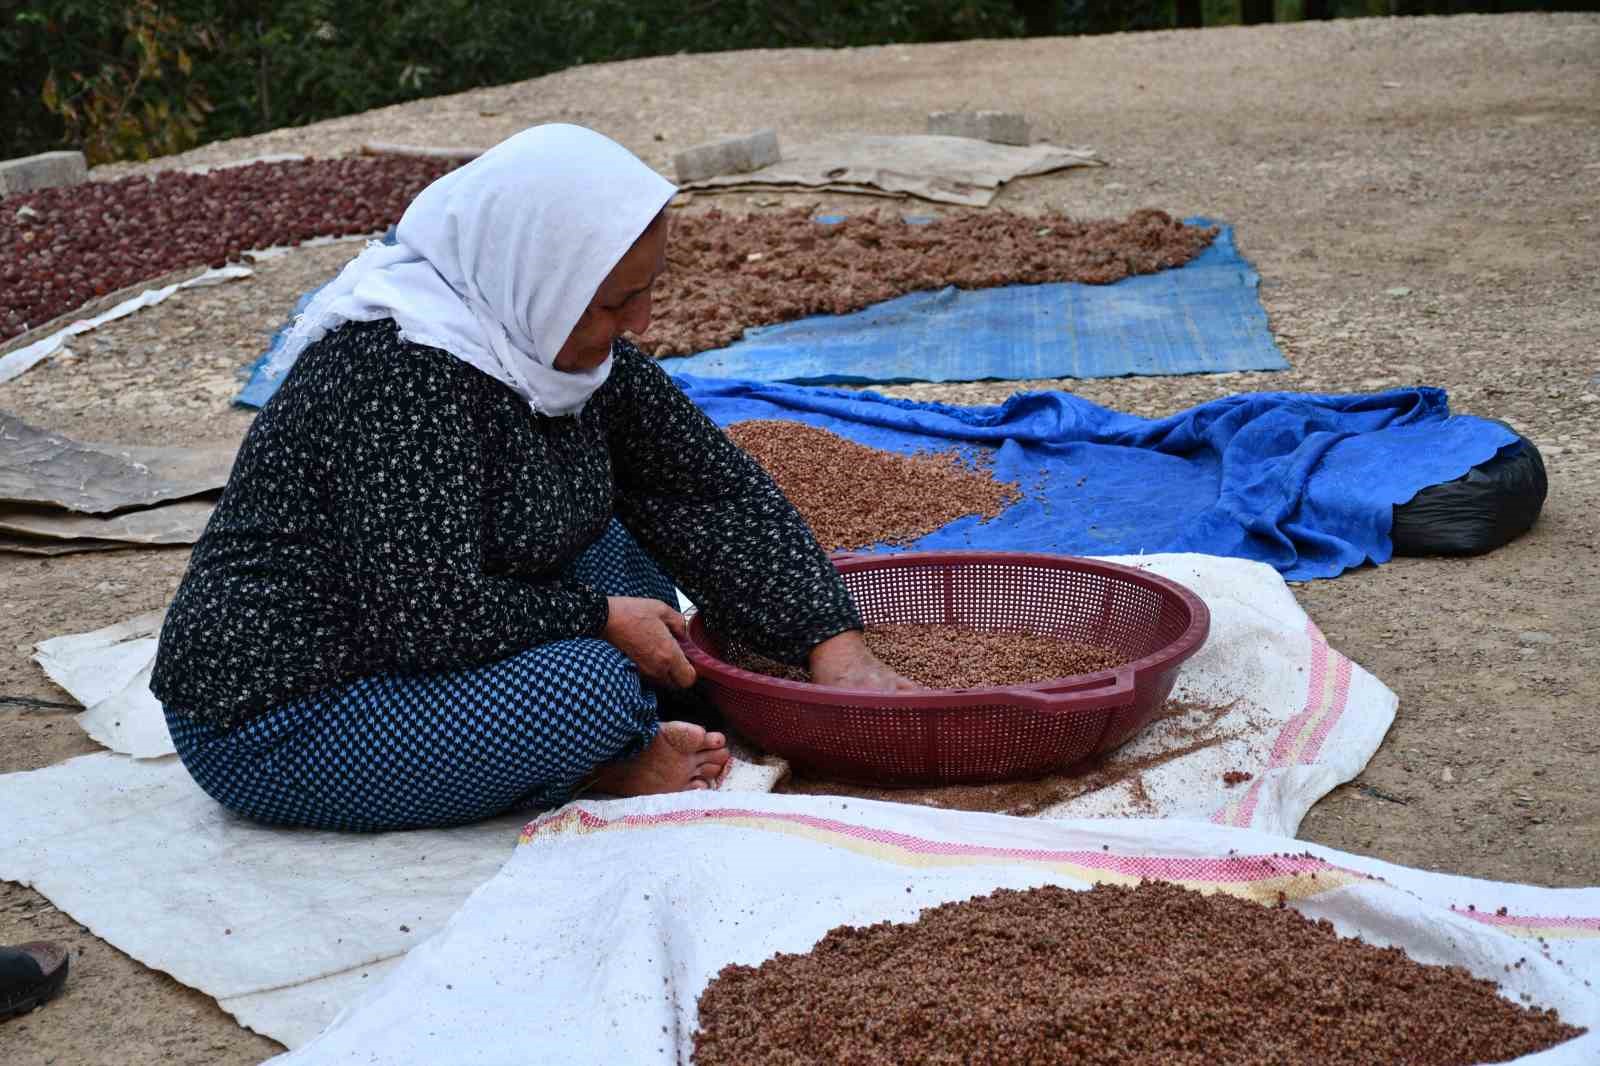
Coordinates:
[727,273]
[61,248]
[1110,976]
[853,496]
[952,656]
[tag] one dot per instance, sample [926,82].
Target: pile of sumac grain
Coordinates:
[955,656]
[61,248]
[1154,975]
[853,496]
[728,272]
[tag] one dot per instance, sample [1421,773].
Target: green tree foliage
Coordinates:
[140,98]
[118,80]
[135,78]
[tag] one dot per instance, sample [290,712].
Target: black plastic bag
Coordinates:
[1493,503]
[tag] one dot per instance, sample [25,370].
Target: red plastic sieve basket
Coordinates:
[949,736]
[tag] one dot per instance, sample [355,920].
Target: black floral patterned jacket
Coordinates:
[394,509]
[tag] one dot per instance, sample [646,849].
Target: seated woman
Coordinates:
[433,590]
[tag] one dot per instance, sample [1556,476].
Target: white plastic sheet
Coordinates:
[22,359]
[1302,718]
[283,927]
[280,925]
[595,940]
[108,671]
[15,363]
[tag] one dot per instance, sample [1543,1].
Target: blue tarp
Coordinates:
[1203,317]
[1305,483]
[258,389]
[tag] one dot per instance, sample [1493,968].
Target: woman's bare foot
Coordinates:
[682,756]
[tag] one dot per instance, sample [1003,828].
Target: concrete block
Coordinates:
[1001,127]
[43,171]
[736,155]
[466,155]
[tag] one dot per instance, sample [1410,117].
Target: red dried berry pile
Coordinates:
[61,248]
[728,273]
[853,496]
[953,656]
[1154,975]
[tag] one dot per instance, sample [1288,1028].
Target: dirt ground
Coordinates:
[1455,158]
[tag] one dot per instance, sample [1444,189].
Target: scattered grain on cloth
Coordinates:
[1110,976]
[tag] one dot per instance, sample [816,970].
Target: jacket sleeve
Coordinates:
[714,518]
[412,497]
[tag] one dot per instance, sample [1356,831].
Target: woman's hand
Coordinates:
[845,661]
[644,631]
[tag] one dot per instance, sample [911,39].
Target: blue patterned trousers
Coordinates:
[408,751]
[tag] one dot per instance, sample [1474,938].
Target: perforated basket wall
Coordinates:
[973,735]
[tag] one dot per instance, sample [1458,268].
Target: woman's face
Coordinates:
[621,304]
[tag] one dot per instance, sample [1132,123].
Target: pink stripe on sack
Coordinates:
[1316,682]
[1239,812]
[1237,868]
[1334,711]
[1535,921]
[1243,810]
[1320,715]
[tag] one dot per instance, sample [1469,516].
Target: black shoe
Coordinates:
[30,974]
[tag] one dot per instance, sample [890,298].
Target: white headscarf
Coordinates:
[496,261]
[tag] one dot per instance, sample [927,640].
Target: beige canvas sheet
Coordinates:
[40,468]
[40,528]
[952,170]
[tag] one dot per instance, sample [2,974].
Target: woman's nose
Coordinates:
[636,319]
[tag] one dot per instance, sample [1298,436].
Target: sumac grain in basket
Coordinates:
[950,656]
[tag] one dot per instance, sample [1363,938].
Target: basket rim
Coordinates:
[1084,689]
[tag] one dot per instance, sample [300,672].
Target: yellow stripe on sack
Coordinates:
[1324,700]
[1266,890]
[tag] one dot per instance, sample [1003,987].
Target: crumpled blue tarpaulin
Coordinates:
[1306,483]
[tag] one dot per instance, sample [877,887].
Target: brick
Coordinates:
[736,155]
[43,171]
[1001,127]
